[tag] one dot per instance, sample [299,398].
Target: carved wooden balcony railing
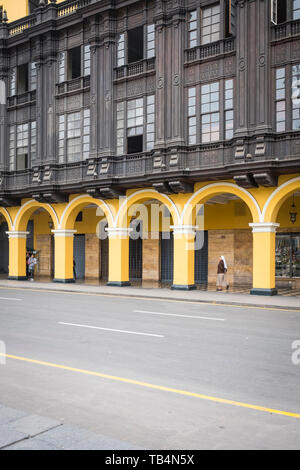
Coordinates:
[143,66]
[285,30]
[212,49]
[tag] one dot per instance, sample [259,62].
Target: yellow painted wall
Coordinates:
[284,213]
[17,9]
[234,215]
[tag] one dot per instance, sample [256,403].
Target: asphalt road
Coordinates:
[121,367]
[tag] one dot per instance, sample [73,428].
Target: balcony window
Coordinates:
[74,63]
[296,9]
[121,50]
[33,76]
[74,136]
[61,67]
[280,100]
[192,120]
[86,60]
[150,117]
[136,120]
[229,18]
[192,29]
[204,24]
[135,38]
[228,106]
[150,41]
[210,116]
[135,125]
[209,111]
[137,44]
[13,82]
[21,145]
[296,96]
[120,128]
[22,79]
[210,24]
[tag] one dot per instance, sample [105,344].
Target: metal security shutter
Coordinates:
[135,259]
[4,250]
[104,259]
[201,261]
[79,255]
[166,256]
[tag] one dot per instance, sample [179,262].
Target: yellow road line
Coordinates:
[155,387]
[161,299]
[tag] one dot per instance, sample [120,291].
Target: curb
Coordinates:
[156,297]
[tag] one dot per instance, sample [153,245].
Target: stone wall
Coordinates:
[236,246]
[92,256]
[44,245]
[151,259]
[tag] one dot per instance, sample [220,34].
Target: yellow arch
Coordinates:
[277,198]
[7,217]
[144,195]
[27,209]
[77,204]
[206,192]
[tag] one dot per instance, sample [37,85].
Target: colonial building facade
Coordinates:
[111,109]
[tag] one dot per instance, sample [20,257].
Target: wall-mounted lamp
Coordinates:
[50,224]
[293,213]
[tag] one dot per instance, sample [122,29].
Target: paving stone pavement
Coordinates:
[21,431]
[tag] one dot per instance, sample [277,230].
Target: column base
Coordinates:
[183,287]
[17,278]
[64,281]
[118,283]
[258,291]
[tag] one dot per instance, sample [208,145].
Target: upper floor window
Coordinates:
[136,44]
[280,99]
[210,24]
[296,9]
[74,136]
[23,78]
[74,63]
[22,145]
[208,115]
[204,24]
[296,97]
[135,125]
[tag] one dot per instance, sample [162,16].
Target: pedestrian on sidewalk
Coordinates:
[31,265]
[225,273]
[221,271]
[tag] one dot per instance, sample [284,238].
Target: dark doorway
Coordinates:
[201,258]
[166,256]
[104,258]
[4,248]
[79,256]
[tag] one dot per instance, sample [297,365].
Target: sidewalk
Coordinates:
[24,431]
[226,298]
